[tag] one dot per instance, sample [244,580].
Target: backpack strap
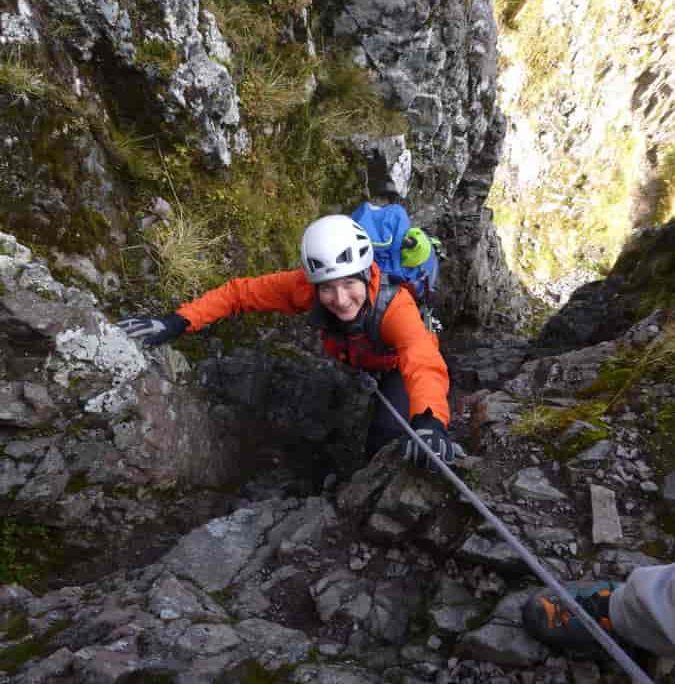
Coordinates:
[385,294]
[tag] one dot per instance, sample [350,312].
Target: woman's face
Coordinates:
[343,297]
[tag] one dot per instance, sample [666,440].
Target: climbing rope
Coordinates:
[620,656]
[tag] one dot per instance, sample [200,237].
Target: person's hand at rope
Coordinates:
[154,331]
[434,434]
[366,382]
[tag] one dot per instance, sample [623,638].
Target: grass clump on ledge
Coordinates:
[547,425]
[159,55]
[20,78]
[184,250]
[506,12]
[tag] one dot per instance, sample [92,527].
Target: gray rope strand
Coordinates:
[620,656]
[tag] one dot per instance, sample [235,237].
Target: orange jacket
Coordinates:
[423,369]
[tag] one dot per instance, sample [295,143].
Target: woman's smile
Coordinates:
[343,297]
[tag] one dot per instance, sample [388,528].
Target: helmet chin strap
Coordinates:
[364,275]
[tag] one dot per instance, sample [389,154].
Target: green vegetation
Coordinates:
[15,626]
[182,249]
[664,200]
[20,78]
[656,549]
[577,212]
[616,379]
[663,441]
[299,111]
[12,658]
[273,85]
[545,424]
[542,48]
[28,551]
[130,153]
[252,672]
[547,421]
[159,55]
[76,483]
[506,12]
[578,217]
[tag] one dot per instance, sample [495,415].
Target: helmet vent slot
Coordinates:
[345,257]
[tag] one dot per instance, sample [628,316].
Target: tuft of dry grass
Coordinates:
[22,80]
[269,90]
[182,249]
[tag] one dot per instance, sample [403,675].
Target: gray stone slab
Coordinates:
[532,483]
[606,522]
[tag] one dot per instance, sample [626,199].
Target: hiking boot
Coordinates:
[547,619]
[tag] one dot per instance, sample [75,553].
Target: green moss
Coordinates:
[16,626]
[667,523]
[133,154]
[252,672]
[665,420]
[28,552]
[579,214]
[663,439]
[506,12]
[611,379]
[656,549]
[22,80]
[12,658]
[546,424]
[584,440]
[159,55]
[76,483]
[222,596]
[145,676]
[542,47]
[664,188]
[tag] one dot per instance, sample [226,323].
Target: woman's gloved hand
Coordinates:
[154,331]
[434,434]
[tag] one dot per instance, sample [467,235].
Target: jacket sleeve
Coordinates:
[424,371]
[286,291]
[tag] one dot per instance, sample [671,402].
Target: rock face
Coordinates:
[587,88]
[386,568]
[444,78]
[603,310]
[438,65]
[113,416]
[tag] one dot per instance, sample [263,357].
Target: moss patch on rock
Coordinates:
[12,658]
[28,552]
[546,425]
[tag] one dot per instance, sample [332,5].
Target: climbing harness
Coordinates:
[620,656]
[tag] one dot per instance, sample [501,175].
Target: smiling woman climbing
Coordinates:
[364,321]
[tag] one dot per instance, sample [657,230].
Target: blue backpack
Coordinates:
[405,254]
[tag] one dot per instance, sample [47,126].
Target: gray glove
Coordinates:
[154,331]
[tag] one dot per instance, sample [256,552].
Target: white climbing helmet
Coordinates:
[335,246]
